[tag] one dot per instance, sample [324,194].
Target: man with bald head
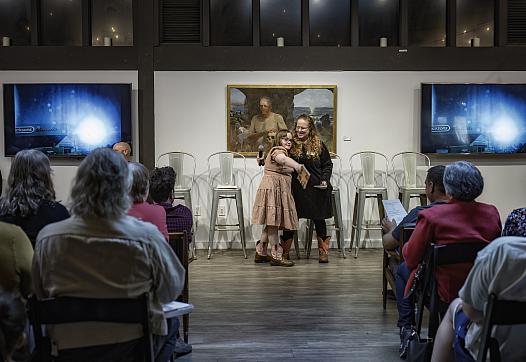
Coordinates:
[124,148]
[264,124]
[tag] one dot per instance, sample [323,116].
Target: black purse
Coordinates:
[420,349]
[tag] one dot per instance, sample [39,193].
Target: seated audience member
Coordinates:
[140,209]
[499,269]
[515,224]
[124,149]
[16,254]
[178,217]
[102,252]
[30,197]
[460,220]
[13,321]
[436,195]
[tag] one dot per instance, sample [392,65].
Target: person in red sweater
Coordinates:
[140,209]
[460,220]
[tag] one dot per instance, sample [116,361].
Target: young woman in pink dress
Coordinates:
[274,205]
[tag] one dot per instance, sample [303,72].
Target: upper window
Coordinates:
[231,22]
[475,21]
[112,19]
[15,16]
[330,22]
[61,22]
[427,23]
[378,19]
[280,19]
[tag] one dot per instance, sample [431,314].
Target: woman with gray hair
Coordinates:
[140,209]
[29,201]
[101,252]
[460,220]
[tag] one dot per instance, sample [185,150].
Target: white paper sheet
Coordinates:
[394,210]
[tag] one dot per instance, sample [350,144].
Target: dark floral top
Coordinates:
[515,223]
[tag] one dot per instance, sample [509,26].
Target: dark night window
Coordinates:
[475,21]
[427,23]
[330,22]
[231,22]
[61,22]
[112,19]
[378,19]
[279,18]
[15,16]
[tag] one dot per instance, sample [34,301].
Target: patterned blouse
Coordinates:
[515,223]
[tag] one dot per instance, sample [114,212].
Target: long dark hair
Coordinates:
[29,182]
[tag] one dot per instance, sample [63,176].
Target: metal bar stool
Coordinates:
[226,188]
[409,171]
[184,180]
[369,182]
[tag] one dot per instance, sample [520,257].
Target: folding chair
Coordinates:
[498,312]
[440,255]
[179,243]
[62,310]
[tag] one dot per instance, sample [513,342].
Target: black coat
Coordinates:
[313,203]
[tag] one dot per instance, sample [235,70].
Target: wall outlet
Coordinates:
[197,210]
[221,211]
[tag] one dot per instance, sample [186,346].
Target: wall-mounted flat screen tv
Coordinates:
[473,118]
[66,120]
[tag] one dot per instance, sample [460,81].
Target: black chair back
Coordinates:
[179,242]
[498,312]
[62,310]
[440,255]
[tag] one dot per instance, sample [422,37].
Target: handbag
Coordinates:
[420,349]
[418,279]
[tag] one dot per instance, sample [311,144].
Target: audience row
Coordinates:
[107,248]
[454,217]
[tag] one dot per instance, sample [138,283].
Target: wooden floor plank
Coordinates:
[310,312]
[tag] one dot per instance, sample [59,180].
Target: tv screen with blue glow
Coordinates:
[66,120]
[473,118]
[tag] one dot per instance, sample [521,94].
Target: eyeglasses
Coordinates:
[286,139]
[299,128]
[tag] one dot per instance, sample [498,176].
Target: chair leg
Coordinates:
[338,221]
[213,219]
[188,203]
[406,199]
[353,222]
[241,221]
[296,245]
[384,281]
[308,236]
[359,221]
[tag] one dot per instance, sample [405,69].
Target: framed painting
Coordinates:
[256,112]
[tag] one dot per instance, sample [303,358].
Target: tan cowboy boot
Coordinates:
[276,257]
[286,244]
[323,249]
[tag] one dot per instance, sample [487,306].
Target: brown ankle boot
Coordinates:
[286,244]
[258,258]
[323,249]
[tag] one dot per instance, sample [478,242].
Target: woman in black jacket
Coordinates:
[313,202]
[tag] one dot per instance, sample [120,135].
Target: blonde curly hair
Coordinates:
[311,147]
